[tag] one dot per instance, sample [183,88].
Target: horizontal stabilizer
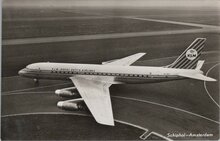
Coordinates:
[198,77]
[199,64]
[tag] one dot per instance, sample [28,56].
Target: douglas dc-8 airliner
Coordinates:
[92,81]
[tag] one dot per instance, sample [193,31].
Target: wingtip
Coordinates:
[109,122]
[141,53]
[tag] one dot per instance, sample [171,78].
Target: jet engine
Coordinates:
[67,92]
[72,105]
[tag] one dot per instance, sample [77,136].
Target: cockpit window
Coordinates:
[32,66]
[28,67]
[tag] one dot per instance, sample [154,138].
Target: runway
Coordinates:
[204,29]
[54,18]
[98,36]
[214,28]
[121,99]
[207,91]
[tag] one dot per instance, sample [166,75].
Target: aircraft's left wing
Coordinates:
[97,98]
[127,61]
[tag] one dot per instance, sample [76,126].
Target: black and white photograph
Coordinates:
[110,70]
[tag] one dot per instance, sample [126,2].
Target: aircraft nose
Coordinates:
[21,72]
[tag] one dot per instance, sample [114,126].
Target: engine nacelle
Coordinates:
[67,93]
[72,105]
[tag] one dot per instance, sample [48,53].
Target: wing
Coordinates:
[97,98]
[198,77]
[127,61]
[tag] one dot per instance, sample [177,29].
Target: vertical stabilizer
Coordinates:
[189,58]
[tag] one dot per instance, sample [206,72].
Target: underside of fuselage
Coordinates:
[127,80]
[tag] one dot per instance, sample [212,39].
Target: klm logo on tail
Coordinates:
[191,54]
[189,58]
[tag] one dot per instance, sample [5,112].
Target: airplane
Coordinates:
[92,81]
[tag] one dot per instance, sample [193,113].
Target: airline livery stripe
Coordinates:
[182,61]
[184,57]
[195,44]
[199,44]
[185,65]
[183,54]
[193,63]
[185,51]
[200,47]
[188,62]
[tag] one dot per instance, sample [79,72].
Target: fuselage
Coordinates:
[120,74]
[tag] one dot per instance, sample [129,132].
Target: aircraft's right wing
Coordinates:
[127,61]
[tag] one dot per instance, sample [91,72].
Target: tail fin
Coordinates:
[189,58]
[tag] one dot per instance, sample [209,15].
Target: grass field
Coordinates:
[84,20]
[12,13]
[43,28]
